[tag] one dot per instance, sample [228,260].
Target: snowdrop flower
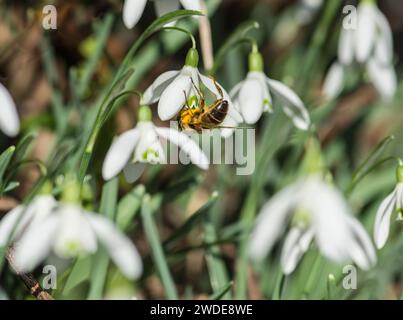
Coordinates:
[392,203]
[9,122]
[370,44]
[172,88]
[317,211]
[132,150]
[307,9]
[133,9]
[17,220]
[252,96]
[69,231]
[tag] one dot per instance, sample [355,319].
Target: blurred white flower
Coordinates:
[133,9]
[132,150]
[9,122]
[370,44]
[69,231]
[307,9]
[317,211]
[252,97]
[15,222]
[392,203]
[172,88]
[3,295]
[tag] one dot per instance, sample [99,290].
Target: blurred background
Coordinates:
[42,68]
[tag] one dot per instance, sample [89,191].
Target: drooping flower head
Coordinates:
[68,230]
[172,88]
[252,96]
[133,9]
[9,122]
[393,203]
[370,44]
[132,150]
[315,210]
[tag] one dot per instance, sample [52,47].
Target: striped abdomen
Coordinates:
[215,115]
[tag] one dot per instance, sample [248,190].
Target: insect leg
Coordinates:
[199,93]
[218,87]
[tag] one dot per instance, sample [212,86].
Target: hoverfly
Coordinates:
[203,116]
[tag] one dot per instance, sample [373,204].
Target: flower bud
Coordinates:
[145,114]
[192,58]
[255,61]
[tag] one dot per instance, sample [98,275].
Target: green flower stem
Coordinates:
[310,64]
[157,252]
[100,261]
[120,77]
[236,38]
[274,137]
[188,33]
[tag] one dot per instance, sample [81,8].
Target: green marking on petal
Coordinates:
[301,218]
[399,171]
[268,106]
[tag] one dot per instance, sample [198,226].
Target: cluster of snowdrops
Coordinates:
[311,210]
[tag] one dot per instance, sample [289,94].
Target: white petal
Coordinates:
[383,78]
[36,243]
[267,103]
[328,209]
[191,4]
[292,104]
[235,90]
[133,171]
[384,45]
[209,83]
[296,244]
[333,83]
[9,122]
[383,52]
[8,223]
[382,219]
[251,100]
[346,46]
[271,222]
[173,99]
[230,123]
[366,31]
[37,210]
[361,250]
[188,146]
[154,91]
[132,12]
[75,235]
[122,251]
[43,206]
[149,148]
[120,153]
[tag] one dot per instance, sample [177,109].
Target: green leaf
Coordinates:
[101,258]
[233,40]
[101,37]
[371,162]
[129,207]
[190,223]
[5,159]
[157,251]
[80,273]
[11,186]
[103,109]
[220,294]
